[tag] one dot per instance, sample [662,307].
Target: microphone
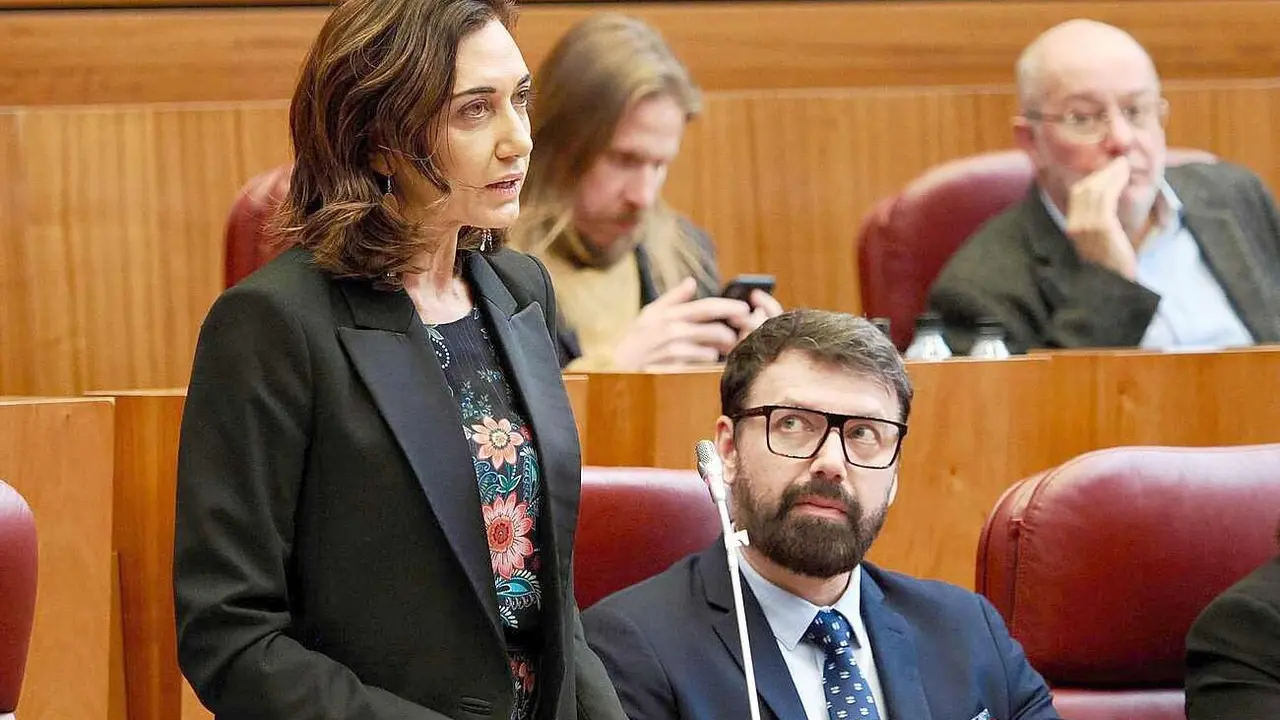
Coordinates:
[710,469]
[712,472]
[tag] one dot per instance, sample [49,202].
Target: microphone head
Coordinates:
[708,459]
[711,469]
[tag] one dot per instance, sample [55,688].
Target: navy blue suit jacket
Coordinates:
[671,647]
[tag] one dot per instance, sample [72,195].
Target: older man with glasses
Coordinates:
[1110,249]
[815,407]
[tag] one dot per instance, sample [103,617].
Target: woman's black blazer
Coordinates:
[330,554]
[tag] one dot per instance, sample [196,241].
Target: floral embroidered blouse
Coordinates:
[507,471]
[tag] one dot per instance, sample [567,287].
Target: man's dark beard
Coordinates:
[810,546]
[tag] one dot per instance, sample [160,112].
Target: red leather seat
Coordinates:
[247,245]
[633,523]
[1100,565]
[18,554]
[907,239]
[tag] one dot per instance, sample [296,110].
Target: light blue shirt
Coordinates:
[1194,312]
[789,617]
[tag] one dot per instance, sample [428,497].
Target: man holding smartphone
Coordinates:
[636,283]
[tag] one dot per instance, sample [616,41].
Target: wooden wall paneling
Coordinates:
[712,181]
[149,56]
[237,53]
[90,5]
[864,146]
[220,148]
[16,337]
[1235,120]
[808,191]
[791,174]
[37,284]
[121,253]
[262,140]
[58,454]
[121,211]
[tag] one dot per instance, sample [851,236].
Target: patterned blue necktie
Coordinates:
[848,695]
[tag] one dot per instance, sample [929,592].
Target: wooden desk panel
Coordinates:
[58,454]
[973,433]
[579,401]
[146,460]
[651,419]
[1204,398]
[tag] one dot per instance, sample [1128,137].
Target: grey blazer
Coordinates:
[1021,269]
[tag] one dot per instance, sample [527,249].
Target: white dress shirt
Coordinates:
[789,617]
[1194,312]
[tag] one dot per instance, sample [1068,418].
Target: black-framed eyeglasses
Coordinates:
[794,432]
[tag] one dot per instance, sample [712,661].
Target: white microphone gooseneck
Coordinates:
[712,472]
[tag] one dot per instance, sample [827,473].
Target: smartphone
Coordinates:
[740,287]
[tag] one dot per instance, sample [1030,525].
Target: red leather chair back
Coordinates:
[18,555]
[633,523]
[247,245]
[1100,565]
[908,238]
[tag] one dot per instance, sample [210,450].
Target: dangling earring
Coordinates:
[485,237]
[388,195]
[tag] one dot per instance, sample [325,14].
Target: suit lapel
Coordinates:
[533,374]
[1230,257]
[895,654]
[773,678]
[534,377]
[389,348]
[1057,262]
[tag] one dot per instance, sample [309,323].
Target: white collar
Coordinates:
[791,615]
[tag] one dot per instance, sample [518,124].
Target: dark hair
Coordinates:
[376,79]
[837,339]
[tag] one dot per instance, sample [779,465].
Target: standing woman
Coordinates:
[379,470]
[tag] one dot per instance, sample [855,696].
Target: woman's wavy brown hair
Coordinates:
[376,80]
